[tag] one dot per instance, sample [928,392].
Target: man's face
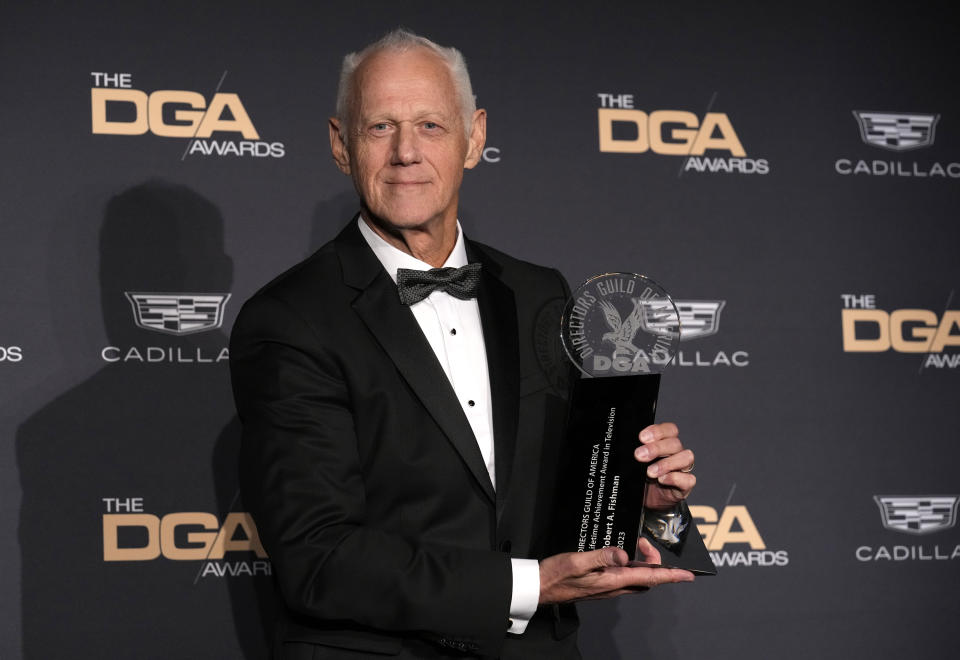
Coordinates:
[407,147]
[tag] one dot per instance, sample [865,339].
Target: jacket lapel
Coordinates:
[498,314]
[395,328]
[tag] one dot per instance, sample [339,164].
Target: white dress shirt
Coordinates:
[452,327]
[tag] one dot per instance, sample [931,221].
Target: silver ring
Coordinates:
[687,469]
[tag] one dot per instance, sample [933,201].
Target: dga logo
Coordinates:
[131,535]
[11,353]
[916,515]
[867,329]
[118,109]
[178,313]
[897,132]
[733,539]
[625,129]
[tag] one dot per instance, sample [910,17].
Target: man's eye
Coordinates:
[430,125]
[382,126]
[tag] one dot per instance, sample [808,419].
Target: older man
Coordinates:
[399,430]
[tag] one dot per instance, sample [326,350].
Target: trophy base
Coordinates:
[689,553]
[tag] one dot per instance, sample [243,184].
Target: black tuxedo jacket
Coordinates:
[364,476]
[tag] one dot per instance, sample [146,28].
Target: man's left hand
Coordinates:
[669,465]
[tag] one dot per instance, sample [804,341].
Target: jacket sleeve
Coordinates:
[301,479]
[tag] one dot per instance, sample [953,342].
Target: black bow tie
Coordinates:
[415,285]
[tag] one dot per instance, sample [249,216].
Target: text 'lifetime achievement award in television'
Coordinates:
[621,330]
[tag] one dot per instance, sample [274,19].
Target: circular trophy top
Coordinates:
[620,324]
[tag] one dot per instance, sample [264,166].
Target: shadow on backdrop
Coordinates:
[330,216]
[146,425]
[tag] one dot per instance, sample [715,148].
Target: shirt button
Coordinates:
[453,331]
[471,403]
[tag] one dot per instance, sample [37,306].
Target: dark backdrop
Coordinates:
[823,215]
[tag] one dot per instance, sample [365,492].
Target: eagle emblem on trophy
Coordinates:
[622,332]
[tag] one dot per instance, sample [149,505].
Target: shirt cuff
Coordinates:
[526,593]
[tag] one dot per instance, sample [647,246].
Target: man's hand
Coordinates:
[602,573]
[670,465]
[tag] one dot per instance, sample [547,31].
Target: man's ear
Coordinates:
[477,138]
[341,156]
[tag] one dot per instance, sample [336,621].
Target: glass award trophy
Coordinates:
[621,330]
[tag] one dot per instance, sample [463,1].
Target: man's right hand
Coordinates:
[603,573]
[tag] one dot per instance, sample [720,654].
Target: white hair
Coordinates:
[401,40]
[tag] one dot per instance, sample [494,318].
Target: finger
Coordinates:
[650,554]
[631,589]
[654,450]
[648,577]
[613,557]
[616,580]
[674,462]
[658,432]
[584,562]
[626,591]
[668,575]
[681,481]
[661,496]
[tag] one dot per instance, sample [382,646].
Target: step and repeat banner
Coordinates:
[790,176]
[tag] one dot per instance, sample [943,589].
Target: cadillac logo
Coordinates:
[918,515]
[897,132]
[699,318]
[178,313]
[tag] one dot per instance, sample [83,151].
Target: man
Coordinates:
[398,456]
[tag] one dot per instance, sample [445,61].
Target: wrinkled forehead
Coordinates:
[413,77]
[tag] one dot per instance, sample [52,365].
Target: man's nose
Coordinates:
[406,150]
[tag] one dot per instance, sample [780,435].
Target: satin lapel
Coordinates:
[498,314]
[396,329]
